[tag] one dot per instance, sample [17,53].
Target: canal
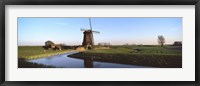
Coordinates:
[63,61]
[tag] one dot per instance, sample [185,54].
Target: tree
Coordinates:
[161,40]
[49,43]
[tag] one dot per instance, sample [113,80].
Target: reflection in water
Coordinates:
[63,61]
[88,63]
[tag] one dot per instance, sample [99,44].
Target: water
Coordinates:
[63,61]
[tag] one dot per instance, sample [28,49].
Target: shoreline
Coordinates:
[46,54]
[22,63]
[160,61]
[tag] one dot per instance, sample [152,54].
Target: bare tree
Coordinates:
[161,40]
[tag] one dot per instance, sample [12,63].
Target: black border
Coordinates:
[99,2]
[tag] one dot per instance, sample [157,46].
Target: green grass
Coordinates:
[166,50]
[34,52]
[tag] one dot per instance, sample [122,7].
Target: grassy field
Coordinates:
[34,52]
[155,56]
[145,55]
[151,49]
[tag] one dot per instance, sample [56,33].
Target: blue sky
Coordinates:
[117,31]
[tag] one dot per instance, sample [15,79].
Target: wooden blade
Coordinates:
[83,29]
[96,31]
[90,23]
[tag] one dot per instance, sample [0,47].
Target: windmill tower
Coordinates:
[88,40]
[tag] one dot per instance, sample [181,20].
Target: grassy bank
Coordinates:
[155,56]
[145,49]
[22,63]
[34,52]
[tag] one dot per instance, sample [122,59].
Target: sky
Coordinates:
[116,31]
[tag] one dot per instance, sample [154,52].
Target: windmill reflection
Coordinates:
[88,63]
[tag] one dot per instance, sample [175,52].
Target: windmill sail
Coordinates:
[91,30]
[90,23]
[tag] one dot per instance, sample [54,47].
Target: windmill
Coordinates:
[88,40]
